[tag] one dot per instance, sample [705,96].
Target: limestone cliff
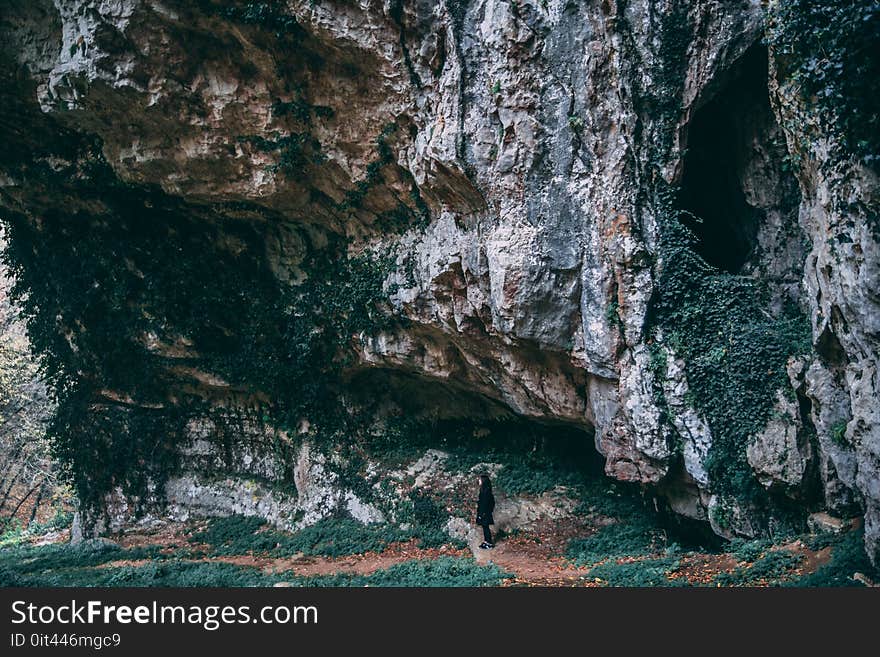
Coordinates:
[628,218]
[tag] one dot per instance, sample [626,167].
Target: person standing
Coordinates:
[485,507]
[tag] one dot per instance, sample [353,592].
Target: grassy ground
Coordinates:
[610,540]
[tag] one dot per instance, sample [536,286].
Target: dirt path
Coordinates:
[535,557]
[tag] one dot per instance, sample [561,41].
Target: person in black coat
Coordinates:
[485,507]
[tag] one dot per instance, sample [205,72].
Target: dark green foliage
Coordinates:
[838,433]
[773,567]
[645,572]
[65,565]
[62,564]
[745,550]
[187,574]
[659,361]
[613,499]
[847,558]
[626,538]
[299,108]
[403,216]
[337,537]
[234,535]
[133,268]
[156,269]
[10,578]
[354,198]
[831,49]
[635,530]
[661,100]
[75,565]
[612,314]
[110,446]
[268,14]
[157,573]
[427,519]
[331,537]
[534,476]
[443,571]
[734,353]
[295,151]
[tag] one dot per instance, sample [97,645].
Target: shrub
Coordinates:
[444,571]
[848,557]
[331,537]
[645,572]
[772,568]
[628,538]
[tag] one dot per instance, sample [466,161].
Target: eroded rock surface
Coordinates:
[508,158]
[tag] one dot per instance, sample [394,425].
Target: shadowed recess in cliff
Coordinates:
[536,456]
[720,137]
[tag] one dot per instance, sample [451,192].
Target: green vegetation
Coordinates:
[333,537]
[444,571]
[271,15]
[15,533]
[634,530]
[773,566]
[734,353]
[612,314]
[662,99]
[427,520]
[62,564]
[620,539]
[96,293]
[300,109]
[749,550]
[296,151]
[645,572]
[838,433]
[85,565]
[403,216]
[828,50]
[847,558]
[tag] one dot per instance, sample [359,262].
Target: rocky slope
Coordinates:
[624,219]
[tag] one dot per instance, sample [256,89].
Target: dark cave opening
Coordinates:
[429,414]
[721,138]
[537,454]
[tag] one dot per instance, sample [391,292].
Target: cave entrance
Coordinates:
[419,413]
[416,414]
[721,140]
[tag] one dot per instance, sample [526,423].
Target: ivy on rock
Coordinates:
[735,353]
[149,314]
[831,51]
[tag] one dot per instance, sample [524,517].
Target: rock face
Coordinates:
[509,160]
